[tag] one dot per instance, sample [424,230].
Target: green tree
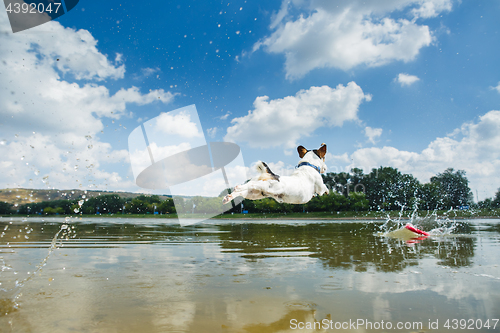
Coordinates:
[486,204]
[267,205]
[334,201]
[454,188]
[429,196]
[136,206]
[49,211]
[357,201]
[166,206]
[495,203]
[103,204]
[387,188]
[5,208]
[209,205]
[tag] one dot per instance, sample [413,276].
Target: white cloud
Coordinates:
[224,117]
[497,88]
[178,125]
[146,72]
[406,79]
[284,121]
[473,148]
[149,71]
[212,132]
[432,8]
[372,133]
[349,34]
[50,124]
[119,58]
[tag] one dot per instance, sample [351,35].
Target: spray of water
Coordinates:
[431,223]
[9,295]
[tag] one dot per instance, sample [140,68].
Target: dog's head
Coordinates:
[316,156]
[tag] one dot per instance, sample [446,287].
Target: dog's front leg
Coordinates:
[238,191]
[322,189]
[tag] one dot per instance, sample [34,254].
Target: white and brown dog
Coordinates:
[299,188]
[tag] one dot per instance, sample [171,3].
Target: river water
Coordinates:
[152,275]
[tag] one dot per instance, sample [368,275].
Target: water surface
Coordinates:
[151,275]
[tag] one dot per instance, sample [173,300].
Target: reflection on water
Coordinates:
[128,275]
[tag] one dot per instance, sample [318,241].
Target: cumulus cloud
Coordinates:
[224,117]
[146,72]
[212,132]
[348,34]
[178,125]
[52,106]
[282,122]
[406,79]
[497,88]
[473,147]
[372,133]
[431,8]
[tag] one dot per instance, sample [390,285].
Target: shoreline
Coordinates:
[239,217]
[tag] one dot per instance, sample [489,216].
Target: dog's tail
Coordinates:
[265,172]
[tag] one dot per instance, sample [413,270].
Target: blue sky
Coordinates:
[408,84]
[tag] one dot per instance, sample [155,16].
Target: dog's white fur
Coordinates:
[298,188]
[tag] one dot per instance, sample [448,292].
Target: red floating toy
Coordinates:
[410,227]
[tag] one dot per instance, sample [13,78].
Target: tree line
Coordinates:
[103,204]
[384,188]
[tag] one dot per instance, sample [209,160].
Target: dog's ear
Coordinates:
[322,151]
[302,151]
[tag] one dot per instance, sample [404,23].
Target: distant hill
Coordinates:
[22,195]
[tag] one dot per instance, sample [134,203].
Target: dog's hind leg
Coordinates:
[253,190]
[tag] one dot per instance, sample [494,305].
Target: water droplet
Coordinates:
[90,146]
[3,142]
[37,172]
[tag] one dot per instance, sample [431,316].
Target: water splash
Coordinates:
[9,295]
[431,223]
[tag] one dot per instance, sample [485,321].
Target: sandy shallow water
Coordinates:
[151,275]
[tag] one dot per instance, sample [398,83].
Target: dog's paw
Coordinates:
[226,199]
